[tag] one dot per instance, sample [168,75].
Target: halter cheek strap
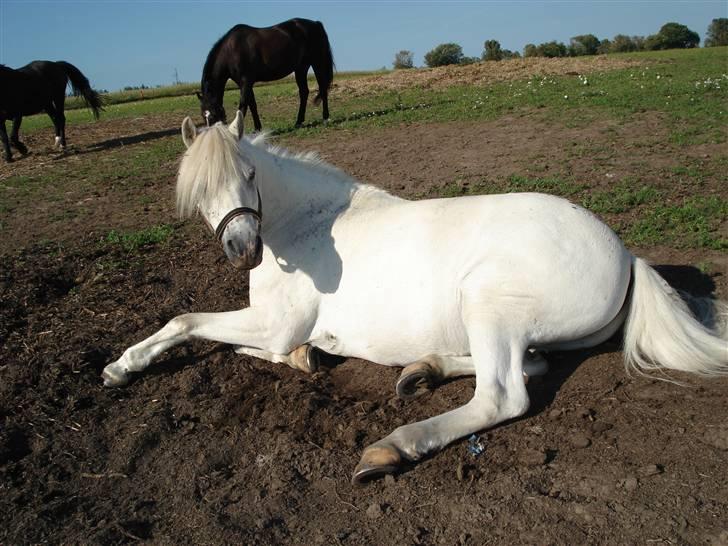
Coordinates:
[256,213]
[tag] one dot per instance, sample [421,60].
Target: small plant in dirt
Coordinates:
[134,240]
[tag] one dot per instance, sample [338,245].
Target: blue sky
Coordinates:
[127,42]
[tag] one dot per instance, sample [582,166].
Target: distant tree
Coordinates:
[717,34]
[673,36]
[530,50]
[492,50]
[639,42]
[623,44]
[552,49]
[605,46]
[444,54]
[404,59]
[469,60]
[584,44]
[508,54]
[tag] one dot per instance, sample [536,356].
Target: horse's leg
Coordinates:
[500,394]
[254,109]
[304,357]
[434,369]
[250,327]
[302,81]
[323,94]
[54,115]
[14,138]
[6,144]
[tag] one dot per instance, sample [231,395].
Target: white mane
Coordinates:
[213,159]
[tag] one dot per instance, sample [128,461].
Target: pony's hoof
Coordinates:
[22,148]
[114,377]
[375,462]
[305,358]
[416,379]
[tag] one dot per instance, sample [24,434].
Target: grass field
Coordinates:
[687,90]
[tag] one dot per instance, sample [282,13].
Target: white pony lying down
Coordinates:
[445,287]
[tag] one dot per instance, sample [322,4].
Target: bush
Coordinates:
[717,34]
[404,59]
[492,51]
[673,36]
[584,44]
[551,49]
[444,54]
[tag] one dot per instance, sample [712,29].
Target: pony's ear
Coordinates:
[189,131]
[199,95]
[237,126]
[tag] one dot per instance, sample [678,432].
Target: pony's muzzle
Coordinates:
[244,256]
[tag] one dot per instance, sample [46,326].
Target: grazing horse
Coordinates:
[36,87]
[248,54]
[445,287]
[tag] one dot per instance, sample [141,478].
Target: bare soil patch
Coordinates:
[214,447]
[483,73]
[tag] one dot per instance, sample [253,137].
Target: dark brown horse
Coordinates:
[40,87]
[248,54]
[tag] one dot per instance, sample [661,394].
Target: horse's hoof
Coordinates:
[113,377]
[375,462]
[535,366]
[416,379]
[305,358]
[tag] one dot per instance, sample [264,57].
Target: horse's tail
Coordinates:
[661,331]
[82,88]
[325,69]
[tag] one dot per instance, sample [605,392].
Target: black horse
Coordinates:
[247,55]
[37,87]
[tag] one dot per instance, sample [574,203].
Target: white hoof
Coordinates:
[114,375]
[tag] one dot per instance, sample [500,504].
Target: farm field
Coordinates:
[209,446]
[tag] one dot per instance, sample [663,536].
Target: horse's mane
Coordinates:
[212,159]
[212,56]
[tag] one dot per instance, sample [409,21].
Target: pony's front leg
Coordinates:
[500,394]
[14,136]
[251,327]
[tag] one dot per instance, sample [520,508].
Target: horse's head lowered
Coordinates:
[219,182]
[212,109]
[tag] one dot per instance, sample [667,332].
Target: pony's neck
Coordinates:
[214,77]
[294,190]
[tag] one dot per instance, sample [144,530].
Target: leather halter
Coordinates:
[239,211]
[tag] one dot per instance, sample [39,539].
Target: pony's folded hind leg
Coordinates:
[418,377]
[304,357]
[500,394]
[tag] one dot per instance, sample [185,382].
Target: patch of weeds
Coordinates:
[132,241]
[513,184]
[621,198]
[691,224]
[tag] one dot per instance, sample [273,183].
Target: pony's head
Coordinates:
[212,110]
[216,180]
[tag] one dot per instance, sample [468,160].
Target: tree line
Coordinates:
[670,36]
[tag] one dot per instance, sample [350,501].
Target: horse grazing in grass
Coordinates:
[37,87]
[444,287]
[248,54]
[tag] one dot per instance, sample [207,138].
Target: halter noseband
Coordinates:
[239,211]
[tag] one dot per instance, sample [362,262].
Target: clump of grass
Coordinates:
[134,240]
[514,184]
[691,224]
[621,198]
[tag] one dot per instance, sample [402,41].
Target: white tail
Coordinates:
[661,332]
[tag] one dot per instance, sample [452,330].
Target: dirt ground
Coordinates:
[210,447]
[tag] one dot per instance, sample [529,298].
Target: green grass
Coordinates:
[623,197]
[512,184]
[689,86]
[693,223]
[132,241]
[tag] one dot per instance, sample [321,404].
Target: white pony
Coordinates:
[446,287]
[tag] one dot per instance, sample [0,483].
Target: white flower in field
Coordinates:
[658,76]
[566,96]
